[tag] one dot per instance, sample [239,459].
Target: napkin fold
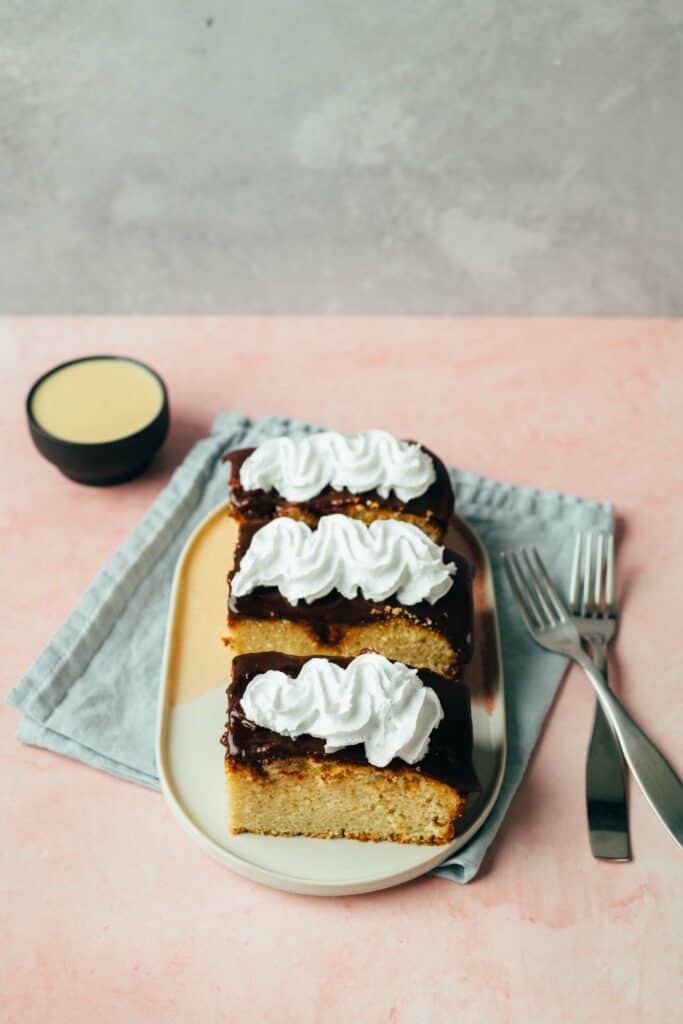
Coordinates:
[92,693]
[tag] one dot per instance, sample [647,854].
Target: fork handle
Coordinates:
[655,776]
[606,798]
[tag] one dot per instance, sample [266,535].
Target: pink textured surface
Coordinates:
[108,910]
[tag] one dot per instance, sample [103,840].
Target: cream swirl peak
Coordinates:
[385,558]
[374,701]
[370,461]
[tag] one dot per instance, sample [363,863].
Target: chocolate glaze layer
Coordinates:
[436,504]
[451,616]
[449,758]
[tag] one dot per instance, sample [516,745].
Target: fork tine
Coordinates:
[542,613]
[599,573]
[526,608]
[532,582]
[549,587]
[611,608]
[574,601]
[588,557]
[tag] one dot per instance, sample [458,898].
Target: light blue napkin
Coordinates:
[92,693]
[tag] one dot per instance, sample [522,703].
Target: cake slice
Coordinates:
[369,476]
[345,587]
[362,748]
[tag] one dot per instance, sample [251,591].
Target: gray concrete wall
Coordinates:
[293,156]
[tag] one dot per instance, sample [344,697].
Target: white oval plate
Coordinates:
[192,712]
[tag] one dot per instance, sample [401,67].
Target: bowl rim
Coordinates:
[49,436]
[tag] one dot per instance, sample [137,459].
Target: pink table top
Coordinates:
[109,912]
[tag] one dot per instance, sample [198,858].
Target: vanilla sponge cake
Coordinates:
[361,748]
[345,587]
[369,476]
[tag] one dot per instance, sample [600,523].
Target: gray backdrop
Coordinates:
[319,156]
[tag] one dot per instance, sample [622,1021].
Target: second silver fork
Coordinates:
[593,605]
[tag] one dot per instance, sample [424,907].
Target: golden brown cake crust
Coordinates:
[396,638]
[329,800]
[367,512]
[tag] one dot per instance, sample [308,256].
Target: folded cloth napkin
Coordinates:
[92,693]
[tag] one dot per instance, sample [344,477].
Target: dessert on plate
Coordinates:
[346,586]
[369,476]
[351,625]
[363,748]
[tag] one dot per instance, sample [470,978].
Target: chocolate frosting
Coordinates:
[451,615]
[449,758]
[435,504]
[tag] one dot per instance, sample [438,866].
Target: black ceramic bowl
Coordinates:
[103,462]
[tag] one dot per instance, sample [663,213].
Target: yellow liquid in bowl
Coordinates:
[97,400]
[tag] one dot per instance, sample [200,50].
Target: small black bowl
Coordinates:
[104,462]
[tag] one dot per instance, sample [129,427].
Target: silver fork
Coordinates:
[550,624]
[593,605]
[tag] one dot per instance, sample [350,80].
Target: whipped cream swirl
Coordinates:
[380,703]
[371,461]
[385,558]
